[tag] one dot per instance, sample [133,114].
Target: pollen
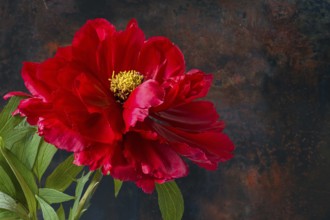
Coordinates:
[124,82]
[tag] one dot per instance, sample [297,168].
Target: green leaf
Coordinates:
[170,201]
[53,196]
[117,184]
[7,215]
[63,175]
[60,213]
[47,211]
[8,203]
[24,177]
[17,133]
[6,185]
[19,195]
[79,189]
[7,121]
[26,149]
[44,157]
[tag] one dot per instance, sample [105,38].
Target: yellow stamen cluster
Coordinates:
[123,83]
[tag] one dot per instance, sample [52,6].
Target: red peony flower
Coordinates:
[124,104]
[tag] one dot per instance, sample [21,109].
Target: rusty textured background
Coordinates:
[270,60]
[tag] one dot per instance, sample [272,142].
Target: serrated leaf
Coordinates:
[63,175]
[60,213]
[8,203]
[24,177]
[47,211]
[44,157]
[6,185]
[170,201]
[53,196]
[7,121]
[78,193]
[117,184]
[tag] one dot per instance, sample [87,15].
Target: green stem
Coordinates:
[88,193]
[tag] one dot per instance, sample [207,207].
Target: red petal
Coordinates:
[53,123]
[147,185]
[97,128]
[63,137]
[16,93]
[87,43]
[154,160]
[194,116]
[33,109]
[66,77]
[96,156]
[64,53]
[122,49]
[214,143]
[92,93]
[42,79]
[180,90]
[32,83]
[145,96]
[196,155]
[160,59]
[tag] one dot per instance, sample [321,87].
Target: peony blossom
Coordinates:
[124,104]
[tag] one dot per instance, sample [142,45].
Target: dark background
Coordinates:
[270,60]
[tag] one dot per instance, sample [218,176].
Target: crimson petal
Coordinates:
[145,96]
[194,116]
[154,160]
[120,51]
[211,142]
[60,135]
[164,59]
[184,89]
[88,41]
[64,53]
[33,109]
[92,93]
[35,86]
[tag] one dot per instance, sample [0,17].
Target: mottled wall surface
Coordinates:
[270,60]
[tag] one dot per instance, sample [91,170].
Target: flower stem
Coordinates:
[88,193]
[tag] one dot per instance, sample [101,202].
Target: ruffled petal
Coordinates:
[33,109]
[184,89]
[145,96]
[87,44]
[60,135]
[121,50]
[31,81]
[214,144]
[42,79]
[54,125]
[195,116]
[95,156]
[160,59]
[196,155]
[153,160]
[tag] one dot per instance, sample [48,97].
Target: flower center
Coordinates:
[124,83]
